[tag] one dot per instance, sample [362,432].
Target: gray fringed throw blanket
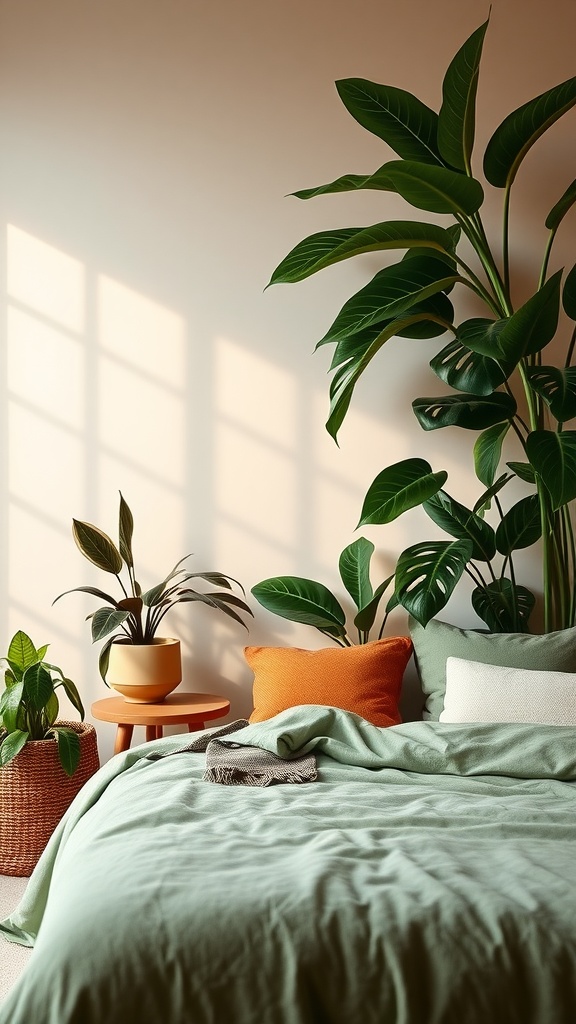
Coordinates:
[232,764]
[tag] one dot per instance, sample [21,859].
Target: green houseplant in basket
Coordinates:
[510,369]
[44,762]
[133,659]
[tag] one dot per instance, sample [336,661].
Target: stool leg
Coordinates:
[123,738]
[195,726]
[153,732]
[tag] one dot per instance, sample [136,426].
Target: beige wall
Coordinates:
[147,150]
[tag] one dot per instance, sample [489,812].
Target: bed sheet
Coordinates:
[427,877]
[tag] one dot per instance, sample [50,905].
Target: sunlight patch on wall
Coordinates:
[45,280]
[142,425]
[140,422]
[145,335]
[95,385]
[45,368]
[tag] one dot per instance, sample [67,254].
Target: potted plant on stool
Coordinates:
[44,762]
[143,667]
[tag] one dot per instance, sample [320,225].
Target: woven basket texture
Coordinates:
[34,794]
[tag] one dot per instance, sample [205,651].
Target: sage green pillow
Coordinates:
[438,641]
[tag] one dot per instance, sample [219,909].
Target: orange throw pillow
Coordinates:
[366,678]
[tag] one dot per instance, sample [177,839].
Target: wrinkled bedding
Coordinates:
[428,876]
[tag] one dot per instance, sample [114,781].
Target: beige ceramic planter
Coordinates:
[145,673]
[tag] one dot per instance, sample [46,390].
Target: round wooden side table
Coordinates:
[191,709]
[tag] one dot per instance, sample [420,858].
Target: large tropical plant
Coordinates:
[497,364]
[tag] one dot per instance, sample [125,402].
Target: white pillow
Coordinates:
[490,693]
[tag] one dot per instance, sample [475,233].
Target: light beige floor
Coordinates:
[13,958]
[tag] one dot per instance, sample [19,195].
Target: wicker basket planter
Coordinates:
[34,794]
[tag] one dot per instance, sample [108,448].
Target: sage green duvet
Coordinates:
[427,877]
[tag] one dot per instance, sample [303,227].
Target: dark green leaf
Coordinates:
[325,248]
[521,129]
[553,456]
[524,471]
[358,350]
[424,319]
[468,371]
[487,452]
[435,189]
[221,602]
[302,600]
[481,335]
[364,620]
[88,590]
[534,325]
[104,657]
[569,294]
[125,531]
[399,118]
[376,181]
[354,566]
[441,318]
[461,523]
[472,412]
[73,695]
[105,621]
[426,575]
[559,211]
[398,488]
[10,705]
[12,745]
[485,499]
[97,547]
[557,387]
[68,749]
[218,578]
[153,596]
[38,686]
[456,121]
[390,293]
[51,710]
[503,607]
[21,651]
[521,526]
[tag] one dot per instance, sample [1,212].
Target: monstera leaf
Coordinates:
[426,575]
[504,608]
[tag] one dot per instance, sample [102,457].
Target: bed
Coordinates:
[427,875]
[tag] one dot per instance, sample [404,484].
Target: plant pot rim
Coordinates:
[157,641]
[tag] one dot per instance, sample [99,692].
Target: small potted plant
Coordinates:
[134,660]
[44,762]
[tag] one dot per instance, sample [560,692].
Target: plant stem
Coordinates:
[570,352]
[125,592]
[506,239]
[544,268]
[474,231]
